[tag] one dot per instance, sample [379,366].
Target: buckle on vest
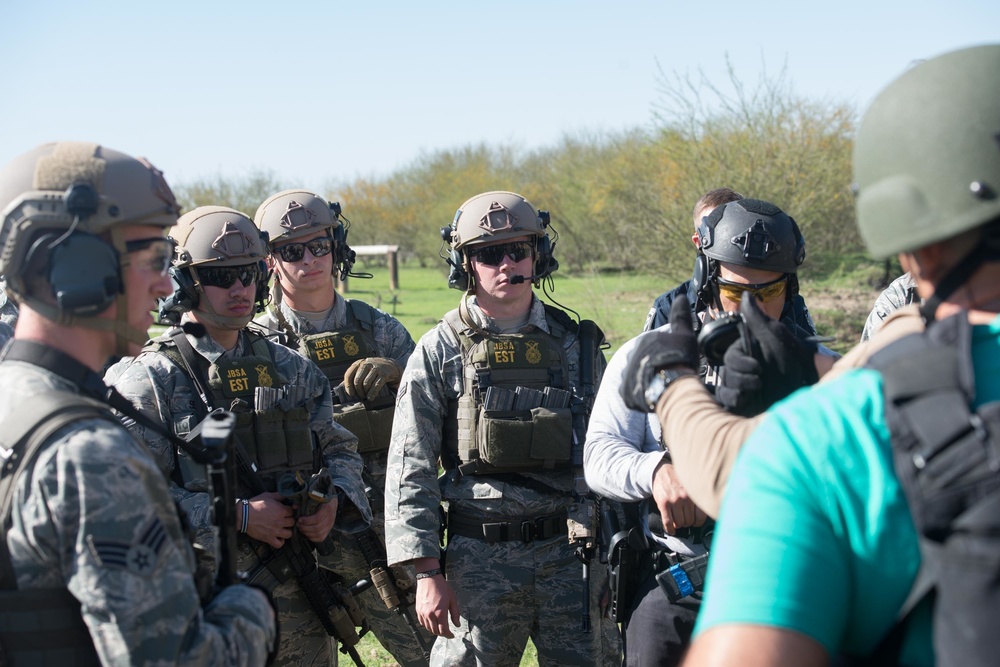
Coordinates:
[528,531]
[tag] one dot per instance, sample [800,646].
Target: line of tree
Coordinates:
[620,201]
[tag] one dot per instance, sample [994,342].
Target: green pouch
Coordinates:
[298,438]
[271,444]
[380,422]
[534,439]
[552,436]
[354,418]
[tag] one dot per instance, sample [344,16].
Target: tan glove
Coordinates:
[366,377]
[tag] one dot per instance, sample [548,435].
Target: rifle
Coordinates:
[309,495]
[582,514]
[214,434]
[331,601]
[395,586]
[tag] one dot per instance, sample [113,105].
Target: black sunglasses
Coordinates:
[493,255]
[293,252]
[225,276]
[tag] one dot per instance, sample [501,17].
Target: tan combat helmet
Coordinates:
[292,214]
[61,247]
[211,238]
[495,216]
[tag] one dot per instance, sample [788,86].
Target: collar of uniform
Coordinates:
[207,347]
[536,317]
[335,318]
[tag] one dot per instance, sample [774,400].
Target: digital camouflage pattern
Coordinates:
[900,292]
[507,591]
[8,315]
[391,338]
[164,392]
[393,341]
[95,516]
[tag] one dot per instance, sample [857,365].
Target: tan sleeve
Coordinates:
[900,323]
[703,439]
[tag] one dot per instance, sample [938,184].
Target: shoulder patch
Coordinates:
[139,557]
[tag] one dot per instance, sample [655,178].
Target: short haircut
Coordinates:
[712,200]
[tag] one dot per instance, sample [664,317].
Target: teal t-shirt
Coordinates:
[814,533]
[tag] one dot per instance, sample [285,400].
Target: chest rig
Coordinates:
[514,413]
[272,427]
[334,352]
[947,458]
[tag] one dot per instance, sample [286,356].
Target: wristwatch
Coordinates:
[659,383]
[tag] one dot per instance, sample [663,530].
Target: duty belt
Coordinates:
[511,529]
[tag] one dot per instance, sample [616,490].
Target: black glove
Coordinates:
[657,350]
[780,363]
[740,382]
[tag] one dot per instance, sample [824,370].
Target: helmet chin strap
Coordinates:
[207,314]
[956,277]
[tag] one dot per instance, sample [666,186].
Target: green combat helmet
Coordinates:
[927,157]
[495,216]
[210,239]
[292,214]
[61,247]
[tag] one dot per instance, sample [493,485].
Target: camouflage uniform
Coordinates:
[8,315]
[94,515]
[901,292]
[508,590]
[165,392]
[391,340]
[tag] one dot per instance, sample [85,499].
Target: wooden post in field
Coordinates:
[391,253]
[393,268]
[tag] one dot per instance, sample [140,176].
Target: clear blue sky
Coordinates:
[324,92]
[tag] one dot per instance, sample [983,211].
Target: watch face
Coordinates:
[656,387]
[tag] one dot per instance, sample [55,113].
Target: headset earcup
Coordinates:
[343,257]
[545,262]
[458,278]
[263,293]
[701,278]
[83,271]
[183,299]
[793,286]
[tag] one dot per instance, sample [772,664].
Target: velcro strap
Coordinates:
[43,622]
[516,529]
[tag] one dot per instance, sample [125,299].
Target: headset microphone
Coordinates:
[518,279]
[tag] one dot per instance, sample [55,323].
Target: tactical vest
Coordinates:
[334,352]
[274,439]
[517,429]
[39,626]
[947,458]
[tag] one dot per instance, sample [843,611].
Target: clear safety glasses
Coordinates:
[153,254]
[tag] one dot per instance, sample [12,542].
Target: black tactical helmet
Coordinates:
[753,233]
